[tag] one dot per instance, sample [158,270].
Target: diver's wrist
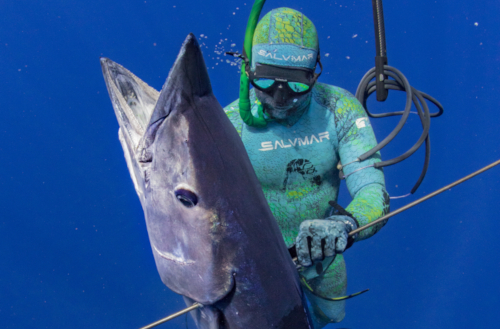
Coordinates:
[350,225]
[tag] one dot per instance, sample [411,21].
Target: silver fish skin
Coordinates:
[213,236]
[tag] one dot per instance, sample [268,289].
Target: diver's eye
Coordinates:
[186,197]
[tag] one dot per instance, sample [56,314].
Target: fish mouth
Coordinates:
[172,258]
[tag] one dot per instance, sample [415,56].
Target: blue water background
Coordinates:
[73,242]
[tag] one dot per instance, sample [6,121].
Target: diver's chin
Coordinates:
[279,115]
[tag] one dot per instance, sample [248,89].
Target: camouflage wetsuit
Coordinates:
[296,164]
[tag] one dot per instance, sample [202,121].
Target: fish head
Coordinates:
[212,233]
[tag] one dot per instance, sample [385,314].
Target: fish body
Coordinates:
[213,236]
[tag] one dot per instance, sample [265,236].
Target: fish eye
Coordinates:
[186,197]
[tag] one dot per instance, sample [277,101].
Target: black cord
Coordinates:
[400,83]
[381,73]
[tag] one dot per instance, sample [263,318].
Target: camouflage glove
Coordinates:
[333,230]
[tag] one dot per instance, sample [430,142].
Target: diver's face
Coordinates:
[281,105]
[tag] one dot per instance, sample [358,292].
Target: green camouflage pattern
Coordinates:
[286,26]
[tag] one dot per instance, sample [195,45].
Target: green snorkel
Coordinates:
[244,102]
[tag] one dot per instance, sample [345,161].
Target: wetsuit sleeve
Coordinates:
[366,185]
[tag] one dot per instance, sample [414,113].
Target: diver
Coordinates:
[311,127]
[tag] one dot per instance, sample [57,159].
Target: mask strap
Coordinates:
[318,61]
[243,57]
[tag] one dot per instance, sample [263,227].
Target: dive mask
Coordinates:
[291,80]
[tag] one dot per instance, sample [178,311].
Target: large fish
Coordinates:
[212,233]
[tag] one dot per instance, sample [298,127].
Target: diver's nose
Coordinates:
[280,95]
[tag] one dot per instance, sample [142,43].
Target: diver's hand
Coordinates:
[334,231]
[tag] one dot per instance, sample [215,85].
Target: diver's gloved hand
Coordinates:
[333,230]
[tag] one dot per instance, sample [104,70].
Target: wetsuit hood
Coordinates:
[285,37]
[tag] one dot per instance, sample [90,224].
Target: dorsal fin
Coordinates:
[188,77]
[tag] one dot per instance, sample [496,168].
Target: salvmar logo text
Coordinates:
[269,146]
[292,58]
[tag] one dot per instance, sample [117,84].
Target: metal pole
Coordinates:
[381,54]
[170,317]
[414,203]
